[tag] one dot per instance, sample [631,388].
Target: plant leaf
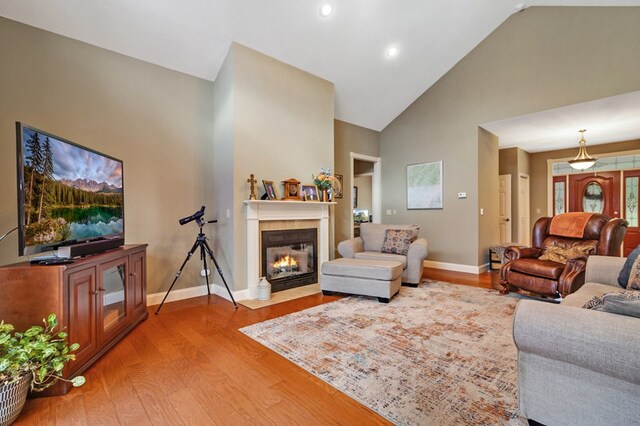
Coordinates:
[78,381]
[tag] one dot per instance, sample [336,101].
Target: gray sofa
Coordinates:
[369,244]
[578,366]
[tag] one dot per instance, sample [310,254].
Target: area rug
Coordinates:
[437,354]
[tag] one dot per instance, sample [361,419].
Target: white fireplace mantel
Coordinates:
[264,210]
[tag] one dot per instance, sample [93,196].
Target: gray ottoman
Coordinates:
[377,278]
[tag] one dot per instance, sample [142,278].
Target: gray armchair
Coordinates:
[370,242]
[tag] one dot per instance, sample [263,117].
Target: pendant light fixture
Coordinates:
[583,160]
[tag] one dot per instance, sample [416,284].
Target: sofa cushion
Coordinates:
[541,268]
[586,293]
[562,251]
[625,273]
[361,268]
[634,276]
[373,234]
[374,255]
[398,241]
[621,303]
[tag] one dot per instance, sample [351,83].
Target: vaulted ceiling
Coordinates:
[348,47]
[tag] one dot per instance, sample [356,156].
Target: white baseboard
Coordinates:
[200,290]
[457,267]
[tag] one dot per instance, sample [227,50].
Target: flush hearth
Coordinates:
[289,258]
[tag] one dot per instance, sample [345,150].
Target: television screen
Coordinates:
[66,193]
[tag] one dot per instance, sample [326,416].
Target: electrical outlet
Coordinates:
[481,212]
[204,273]
[228,214]
[462,195]
[395,211]
[388,212]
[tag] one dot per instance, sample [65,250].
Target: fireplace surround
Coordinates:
[271,215]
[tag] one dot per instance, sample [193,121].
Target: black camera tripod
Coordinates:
[201,241]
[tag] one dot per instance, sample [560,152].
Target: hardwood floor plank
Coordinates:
[70,410]
[100,408]
[146,385]
[119,388]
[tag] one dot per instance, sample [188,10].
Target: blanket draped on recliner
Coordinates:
[569,225]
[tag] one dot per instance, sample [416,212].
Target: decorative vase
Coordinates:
[12,399]
[264,289]
[325,195]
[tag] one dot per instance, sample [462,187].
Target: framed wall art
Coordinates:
[424,185]
[338,193]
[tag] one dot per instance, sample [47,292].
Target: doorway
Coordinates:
[365,190]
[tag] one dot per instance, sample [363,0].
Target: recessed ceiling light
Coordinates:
[392,51]
[325,10]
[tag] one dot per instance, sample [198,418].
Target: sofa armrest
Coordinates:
[419,249]
[348,248]
[515,252]
[604,269]
[572,277]
[599,341]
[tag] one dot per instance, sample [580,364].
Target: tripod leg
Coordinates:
[193,249]
[210,252]
[206,270]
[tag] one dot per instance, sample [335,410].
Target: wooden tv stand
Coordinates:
[98,299]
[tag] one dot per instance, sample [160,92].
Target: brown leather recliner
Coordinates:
[523,268]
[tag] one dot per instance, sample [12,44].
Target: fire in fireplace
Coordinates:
[289,258]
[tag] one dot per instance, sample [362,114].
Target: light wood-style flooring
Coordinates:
[190,365]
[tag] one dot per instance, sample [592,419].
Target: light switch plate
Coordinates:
[462,195]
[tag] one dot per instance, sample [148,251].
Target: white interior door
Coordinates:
[505,208]
[524,215]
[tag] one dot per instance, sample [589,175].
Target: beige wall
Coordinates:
[488,195]
[350,138]
[223,169]
[514,161]
[538,59]
[281,127]
[156,120]
[539,171]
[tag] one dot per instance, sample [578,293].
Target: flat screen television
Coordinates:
[67,193]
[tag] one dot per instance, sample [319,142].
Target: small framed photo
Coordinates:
[270,189]
[310,193]
[338,193]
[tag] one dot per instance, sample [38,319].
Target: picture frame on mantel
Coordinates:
[270,189]
[424,186]
[310,193]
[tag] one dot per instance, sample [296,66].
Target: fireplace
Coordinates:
[289,258]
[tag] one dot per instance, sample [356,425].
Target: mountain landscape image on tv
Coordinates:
[68,193]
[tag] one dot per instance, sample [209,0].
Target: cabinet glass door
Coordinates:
[113,299]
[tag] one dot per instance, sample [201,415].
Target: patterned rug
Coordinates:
[437,354]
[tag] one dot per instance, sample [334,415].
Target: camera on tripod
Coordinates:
[197,215]
[205,251]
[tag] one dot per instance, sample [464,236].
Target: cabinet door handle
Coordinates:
[101,289]
[132,274]
[93,293]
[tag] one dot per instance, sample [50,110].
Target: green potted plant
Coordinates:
[32,360]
